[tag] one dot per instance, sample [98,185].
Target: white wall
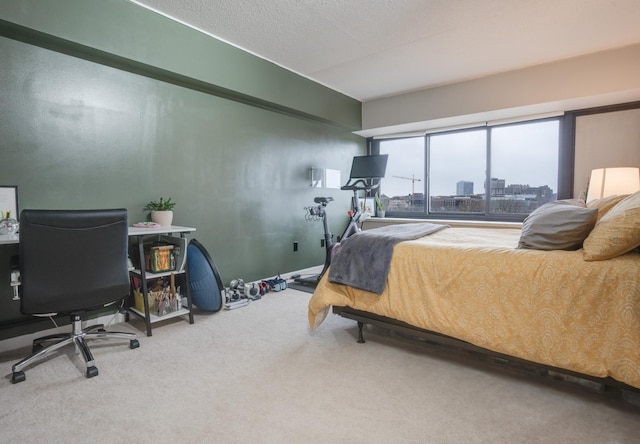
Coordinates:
[605,140]
[598,79]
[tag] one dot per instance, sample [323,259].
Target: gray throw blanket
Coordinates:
[362,260]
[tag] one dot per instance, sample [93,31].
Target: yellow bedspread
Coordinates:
[549,307]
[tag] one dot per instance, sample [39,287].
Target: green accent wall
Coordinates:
[106,104]
[121,29]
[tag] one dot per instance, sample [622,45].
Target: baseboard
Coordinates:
[110,319]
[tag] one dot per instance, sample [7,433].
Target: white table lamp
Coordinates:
[613,181]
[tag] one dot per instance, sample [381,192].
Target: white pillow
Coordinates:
[558,225]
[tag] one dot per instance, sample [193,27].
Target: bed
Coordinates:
[575,309]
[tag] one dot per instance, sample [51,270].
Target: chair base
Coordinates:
[78,337]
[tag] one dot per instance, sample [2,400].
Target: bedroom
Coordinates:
[106,107]
[234,152]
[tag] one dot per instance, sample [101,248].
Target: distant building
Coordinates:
[456,204]
[503,199]
[516,189]
[464,188]
[497,187]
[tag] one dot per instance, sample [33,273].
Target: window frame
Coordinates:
[566,124]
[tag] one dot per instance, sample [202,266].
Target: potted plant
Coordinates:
[380,211]
[161,211]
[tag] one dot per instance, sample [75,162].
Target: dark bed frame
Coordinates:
[609,385]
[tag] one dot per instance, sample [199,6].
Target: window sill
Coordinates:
[375,222]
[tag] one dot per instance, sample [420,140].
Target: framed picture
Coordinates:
[8,202]
[366,206]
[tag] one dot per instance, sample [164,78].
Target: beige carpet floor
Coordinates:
[257,375]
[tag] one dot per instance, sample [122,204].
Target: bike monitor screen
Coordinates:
[369,166]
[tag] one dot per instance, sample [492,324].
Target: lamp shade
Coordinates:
[613,181]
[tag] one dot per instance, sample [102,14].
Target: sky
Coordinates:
[521,154]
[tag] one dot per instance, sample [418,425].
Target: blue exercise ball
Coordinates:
[205,283]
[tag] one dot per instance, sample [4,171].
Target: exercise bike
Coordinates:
[366,172]
[319,212]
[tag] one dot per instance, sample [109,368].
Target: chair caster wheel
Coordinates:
[17,377]
[134,343]
[92,371]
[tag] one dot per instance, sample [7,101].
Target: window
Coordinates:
[495,172]
[525,156]
[457,164]
[403,182]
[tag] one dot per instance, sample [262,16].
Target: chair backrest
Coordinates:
[72,260]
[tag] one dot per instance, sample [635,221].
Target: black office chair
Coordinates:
[72,261]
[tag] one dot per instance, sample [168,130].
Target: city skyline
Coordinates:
[506,186]
[520,153]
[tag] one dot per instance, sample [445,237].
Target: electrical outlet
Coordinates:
[295,246]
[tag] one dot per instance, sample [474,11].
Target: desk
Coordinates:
[6,239]
[133,231]
[12,319]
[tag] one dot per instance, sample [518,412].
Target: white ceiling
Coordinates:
[368,49]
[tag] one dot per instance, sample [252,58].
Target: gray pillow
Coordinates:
[558,225]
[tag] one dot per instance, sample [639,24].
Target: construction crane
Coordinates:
[413,184]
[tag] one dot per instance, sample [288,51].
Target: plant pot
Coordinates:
[164,218]
[381,213]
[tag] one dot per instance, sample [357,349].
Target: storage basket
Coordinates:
[160,259]
[160,302]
